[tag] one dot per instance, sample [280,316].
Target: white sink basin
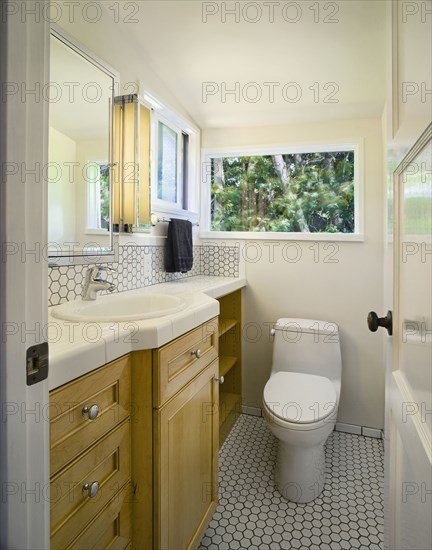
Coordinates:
[119,307]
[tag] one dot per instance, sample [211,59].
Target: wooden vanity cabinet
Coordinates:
[134,449]
[90,452]
[142,449]
[186,437]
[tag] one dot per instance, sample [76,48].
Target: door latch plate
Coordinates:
[37,363]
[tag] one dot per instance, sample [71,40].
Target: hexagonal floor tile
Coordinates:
[255,515]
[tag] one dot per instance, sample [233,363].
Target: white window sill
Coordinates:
[280,236]
[104,232]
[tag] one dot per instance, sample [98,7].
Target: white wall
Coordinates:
[88,151]
[113,43]
[68,200]
[107,39]
[343,292]
[61,191]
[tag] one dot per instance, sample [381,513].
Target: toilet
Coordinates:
[300,402]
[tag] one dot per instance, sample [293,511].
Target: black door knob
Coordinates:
[374,322]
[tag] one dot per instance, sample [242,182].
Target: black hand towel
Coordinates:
[178,252]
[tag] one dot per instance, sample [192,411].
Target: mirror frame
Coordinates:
[109,254]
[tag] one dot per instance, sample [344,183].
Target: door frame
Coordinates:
[24,422]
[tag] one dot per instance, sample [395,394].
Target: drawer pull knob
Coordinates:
[91,489]
[220,379]
[196,352]
[90,412]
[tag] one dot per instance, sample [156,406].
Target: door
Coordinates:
[408,443]
[409,381]
[24,426]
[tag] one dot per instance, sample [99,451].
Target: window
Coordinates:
[175,162]
[283,191]
[168,163]
[98,195]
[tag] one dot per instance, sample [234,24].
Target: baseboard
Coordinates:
[358,430]
[348,428]
[252,411]
[340,426]
[372,432]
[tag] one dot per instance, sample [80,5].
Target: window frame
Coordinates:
[178,204]
[93,202]
[356,145]
[189,205]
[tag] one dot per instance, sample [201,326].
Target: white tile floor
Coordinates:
[252,514]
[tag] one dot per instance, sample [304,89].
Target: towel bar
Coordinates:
[155,219]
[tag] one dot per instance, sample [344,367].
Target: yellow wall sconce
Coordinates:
[131,164]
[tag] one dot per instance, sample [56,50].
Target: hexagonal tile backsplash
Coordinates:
[65,283]
[252,514]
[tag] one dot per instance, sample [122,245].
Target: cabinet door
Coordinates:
[186,462]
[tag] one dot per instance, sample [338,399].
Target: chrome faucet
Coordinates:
[94,284]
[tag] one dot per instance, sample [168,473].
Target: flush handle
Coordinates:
[90,489]
[90,412]
[374,322]
[196,352]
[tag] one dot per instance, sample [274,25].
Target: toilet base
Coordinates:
[300,472]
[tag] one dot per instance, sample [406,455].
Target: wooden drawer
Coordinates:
[176,364]
[71,432]
[112,528]
[109,463]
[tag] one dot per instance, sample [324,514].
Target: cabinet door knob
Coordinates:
[91,489]
[196,352]
[220,379]
[91,411]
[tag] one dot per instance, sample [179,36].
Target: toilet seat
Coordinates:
[300,399]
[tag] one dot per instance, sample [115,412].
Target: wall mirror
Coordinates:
[80,169]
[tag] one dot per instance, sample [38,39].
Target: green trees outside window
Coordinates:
[298,192]
[104,183]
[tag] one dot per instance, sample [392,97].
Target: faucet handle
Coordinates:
[92,272]
[106,268]
[96,270]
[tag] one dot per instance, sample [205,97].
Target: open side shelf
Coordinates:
[229,403]
[225,325]
[230,353]
[226,363]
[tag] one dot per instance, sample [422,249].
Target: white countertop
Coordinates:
[78,348]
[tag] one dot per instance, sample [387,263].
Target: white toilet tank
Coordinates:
[307,346]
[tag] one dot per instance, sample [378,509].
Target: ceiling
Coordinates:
[325,60]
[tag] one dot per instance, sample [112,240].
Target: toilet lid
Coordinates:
[300,398]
